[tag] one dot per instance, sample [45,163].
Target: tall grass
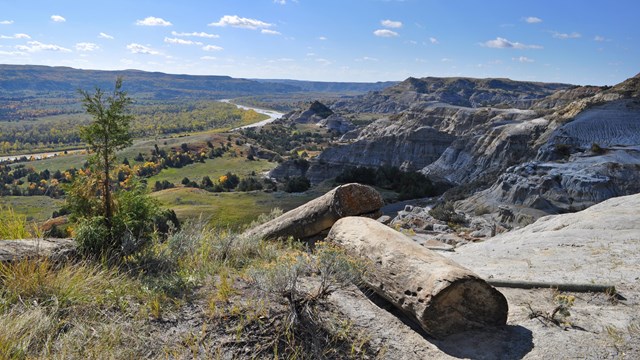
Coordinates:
[14,226]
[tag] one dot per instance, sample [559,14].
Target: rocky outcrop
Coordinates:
[314,113]
[466,92]
[613,123]
[443,297]
[597,244]
[320,214]
[336,123]
[449,142]
[54,249]
[410,147]
[558,187]
[290,169]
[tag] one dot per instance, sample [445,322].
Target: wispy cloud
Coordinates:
[206,57]
[212,48]
[105,36]
[86,46]
[270,32]
[241,22]
[366,58]
[434,41]
[12,53]
[36,46]
[153,21]
[385,33]
[600,38]
[322,38]
[391,24]
[523,59]
[179,41]
[58,18]
[502,43]
[141,49]
[533,20]
[15,36]
[6,22]
[195,34]
[564,36]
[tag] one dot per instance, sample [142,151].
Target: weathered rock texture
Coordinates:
[14,250]
[442,296]
[320,214]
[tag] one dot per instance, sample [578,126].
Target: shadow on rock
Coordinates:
[505,342]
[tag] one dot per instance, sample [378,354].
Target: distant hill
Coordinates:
[333,87]
[459,91]
[35,80]
[20,80]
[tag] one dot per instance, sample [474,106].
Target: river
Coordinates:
[40,156]
[273,115]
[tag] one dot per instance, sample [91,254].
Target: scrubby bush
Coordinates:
[446,212]
[297,184]
[408,184]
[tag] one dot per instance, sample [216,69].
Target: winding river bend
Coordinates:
[273,115]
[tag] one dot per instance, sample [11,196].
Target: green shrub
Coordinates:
[445,212]
[297,184]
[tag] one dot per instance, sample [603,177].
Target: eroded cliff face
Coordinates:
[409,144]
[559,187]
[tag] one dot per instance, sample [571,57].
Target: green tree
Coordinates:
[108,133]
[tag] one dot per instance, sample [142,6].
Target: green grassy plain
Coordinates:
[233,209]
[35,208]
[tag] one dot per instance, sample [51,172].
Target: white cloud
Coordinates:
[87,46]
[195,34]
[12,53]
[523,59]
[281,2]
[208,58]
[105,36]
[58,18]
[16,36]
[6,22]
[178,41]
[385,33]
[434,40]
[564,36]
[600,38]
[502,43]
[367,58]
[324,62]
[446,60]
[240,22]
[36,46]
[153,21]
[391,24]
[212,48]
[533,20]
[141,49]
[270,32]
[322,38]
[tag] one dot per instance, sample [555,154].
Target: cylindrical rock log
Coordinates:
[442,296]
[320,214]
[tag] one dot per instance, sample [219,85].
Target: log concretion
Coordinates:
[321,213]
[442,296]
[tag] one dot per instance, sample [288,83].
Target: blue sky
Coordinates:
[579,42]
